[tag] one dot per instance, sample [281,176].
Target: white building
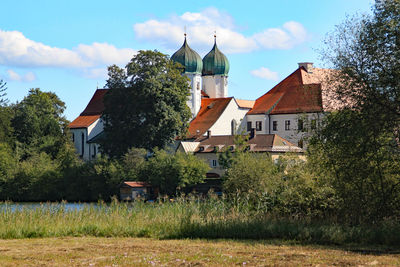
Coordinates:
[294,104]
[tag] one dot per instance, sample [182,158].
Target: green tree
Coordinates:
[39,124]
[360,163]
[357,149]
[366,52]
[146,104]
[250,176]
[172,172]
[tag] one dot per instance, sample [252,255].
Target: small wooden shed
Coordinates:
[132,190]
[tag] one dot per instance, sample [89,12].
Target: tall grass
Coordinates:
[183,218]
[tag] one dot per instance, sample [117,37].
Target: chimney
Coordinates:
[208,134]
[252,133]
[307,65]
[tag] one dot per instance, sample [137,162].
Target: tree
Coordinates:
[146,104]
[250,176]
[358,150]
[172,172]
[39,124]
[366,51]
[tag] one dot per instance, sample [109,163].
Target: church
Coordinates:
[276,121]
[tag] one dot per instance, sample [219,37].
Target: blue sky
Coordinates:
[65,46]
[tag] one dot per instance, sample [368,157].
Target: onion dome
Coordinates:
[188,58]
[215,62]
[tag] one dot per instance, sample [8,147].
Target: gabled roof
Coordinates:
[210,110]
[245,103]
[259,143]
[92,111]
[291,95]
[96,105]
[83,121]
[188,146]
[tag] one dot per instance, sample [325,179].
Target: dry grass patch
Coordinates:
[92,251]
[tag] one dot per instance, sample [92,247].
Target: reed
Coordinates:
[183,218]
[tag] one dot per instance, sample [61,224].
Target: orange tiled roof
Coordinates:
[291,95]
[210,110]
[260,143]
[92,111]
[83,121]
[245,103]
[136,184]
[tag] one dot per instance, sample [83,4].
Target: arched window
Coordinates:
[233,127]
[82,144]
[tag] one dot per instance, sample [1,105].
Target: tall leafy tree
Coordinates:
[357,150]
[146,104]
[39,124]
[366,50]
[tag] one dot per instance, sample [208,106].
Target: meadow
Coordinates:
[193,218]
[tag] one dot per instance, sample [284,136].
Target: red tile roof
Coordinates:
[245,103]
[135,184]
[210,110]
[291,95]
[260,143]
[83,121]
[92,111]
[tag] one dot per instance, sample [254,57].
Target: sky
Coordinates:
[65,46]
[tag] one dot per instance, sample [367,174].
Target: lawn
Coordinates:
[118,251]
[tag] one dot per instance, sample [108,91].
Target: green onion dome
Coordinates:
[188,58]
[215,63]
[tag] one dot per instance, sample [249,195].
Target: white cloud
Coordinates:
[28,77]
[18,51]
[265,73]
[201,27]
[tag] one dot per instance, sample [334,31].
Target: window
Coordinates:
[275,126]
[214,163]
[198,85]
[287,125]
[313,124]
[258,125]
[94,151]
[249,126]
[73,137]
[300,125]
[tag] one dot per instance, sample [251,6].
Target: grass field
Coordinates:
[212,219]
[99,251]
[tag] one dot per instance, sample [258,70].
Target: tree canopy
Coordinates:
[357,150]
[146,104]
[38,122]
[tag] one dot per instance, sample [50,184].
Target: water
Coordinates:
[47,205]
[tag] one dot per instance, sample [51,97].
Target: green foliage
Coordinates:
[357,149]
[172,172]
[250,176]
[183,218]
[38,123]
[366,52]
[359,162]
[146,104]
